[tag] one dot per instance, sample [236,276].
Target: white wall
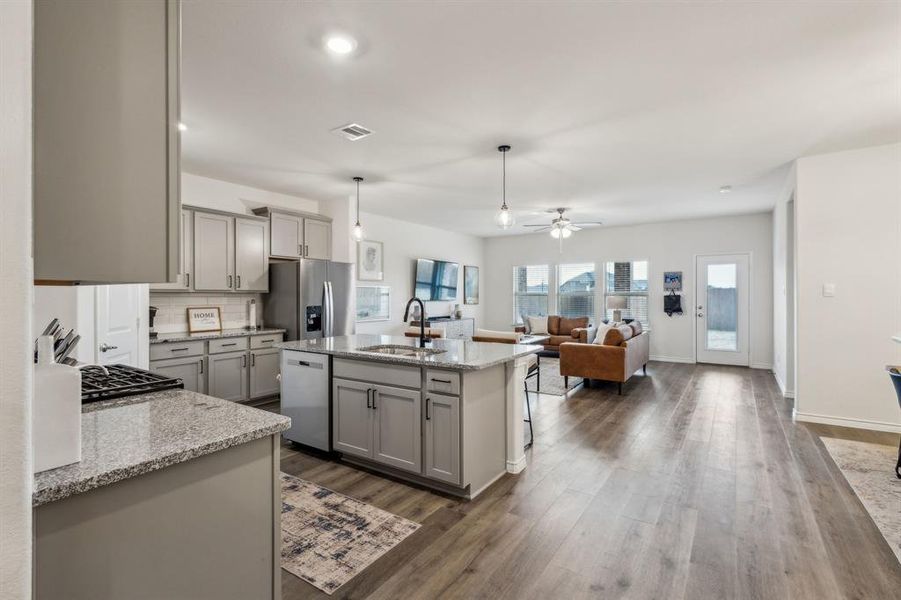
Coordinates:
[404,243]
[232,197]
[848,233]
[16,274]
[670,246]
[783,280]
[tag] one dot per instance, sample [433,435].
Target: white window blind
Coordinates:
[628,279]
[530,291]
[576,290]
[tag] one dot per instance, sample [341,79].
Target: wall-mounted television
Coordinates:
[435,280]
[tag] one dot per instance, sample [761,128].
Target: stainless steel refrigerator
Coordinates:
[311,299]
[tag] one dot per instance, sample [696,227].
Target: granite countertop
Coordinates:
[184,336]
[459,355]
[151,432]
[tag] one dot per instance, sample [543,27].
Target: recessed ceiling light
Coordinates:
[725,189]
[340,44]
[182,127]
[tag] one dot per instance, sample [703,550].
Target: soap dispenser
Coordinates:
[56,414]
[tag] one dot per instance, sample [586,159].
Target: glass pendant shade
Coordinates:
[504,218]
[555,233]
[357,233]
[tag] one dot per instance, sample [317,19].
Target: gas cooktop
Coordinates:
[117,381]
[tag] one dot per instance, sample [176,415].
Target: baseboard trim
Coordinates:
[781,384]
[516,466]
[672,359]
[847,422]
[764,366]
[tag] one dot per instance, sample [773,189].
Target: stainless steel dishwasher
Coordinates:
[305,387]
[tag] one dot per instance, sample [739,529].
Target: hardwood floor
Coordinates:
[693,484]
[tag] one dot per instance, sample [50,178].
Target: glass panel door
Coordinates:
[722,309]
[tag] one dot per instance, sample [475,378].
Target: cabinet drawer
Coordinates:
[373,372]
[445,382]
[258,342]
[175,350]
[232,344]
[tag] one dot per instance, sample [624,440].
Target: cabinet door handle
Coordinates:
[253,359]
[369,398]
[244,360]
[427,416]
[187,280]
[178,350]
[201,366]
[229,282]
[239,282]
[306,250]
[299,250]
[447,381]
[266,341]
[232,344]
[374,394]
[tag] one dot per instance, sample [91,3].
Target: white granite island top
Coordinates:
[458,355]
[136,435]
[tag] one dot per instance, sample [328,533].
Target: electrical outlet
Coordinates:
[828,290]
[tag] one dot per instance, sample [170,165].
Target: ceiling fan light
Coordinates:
[555,232]
[504,218]
[566,232]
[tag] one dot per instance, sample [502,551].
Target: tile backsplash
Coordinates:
[172,315]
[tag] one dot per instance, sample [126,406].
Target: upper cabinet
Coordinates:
[297,235]
[106,146]
[214,252]
[251,255]
[184,282]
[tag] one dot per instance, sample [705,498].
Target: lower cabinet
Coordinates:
[190,370]
[228,375]
[442,438]
[264,367]
[378,422]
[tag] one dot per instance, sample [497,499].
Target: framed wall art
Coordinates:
[470,284]
[204,318]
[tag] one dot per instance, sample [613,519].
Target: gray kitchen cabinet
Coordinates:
[264,369]
[228,376]
[190,370]
[251,255]
[397,427]
[352,417]
[184,281]
[286,235]
[442,438]
[106,141]
[214,252]
[317,239]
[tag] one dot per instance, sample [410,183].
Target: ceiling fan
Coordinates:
[561,227]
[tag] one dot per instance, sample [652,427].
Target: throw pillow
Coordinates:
[538,325]
[636,327]
[602,333]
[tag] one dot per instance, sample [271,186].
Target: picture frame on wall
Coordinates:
[370,261]
[470,284]
[204,318]
[672,281]
[373,303]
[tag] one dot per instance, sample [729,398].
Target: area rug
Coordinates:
[328,538]
[870,469]
[551,380]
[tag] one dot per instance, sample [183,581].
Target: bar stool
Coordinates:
[895,373]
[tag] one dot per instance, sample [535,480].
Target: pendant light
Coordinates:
[504,218]
[357,232]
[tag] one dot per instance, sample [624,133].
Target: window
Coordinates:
[628,280]
[575,290]
[530,291]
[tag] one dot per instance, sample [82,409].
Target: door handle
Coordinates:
[374,394]
[253,359]
[229,282]
[701,315]
[244,360]
[105,347]
[187,280]
[239,283]
[299,250]
[306,250]
[369,398]
[201,366]
[427,417]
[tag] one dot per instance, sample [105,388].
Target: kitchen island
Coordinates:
[448,416]
[176,496]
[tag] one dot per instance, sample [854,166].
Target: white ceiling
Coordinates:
[627,112]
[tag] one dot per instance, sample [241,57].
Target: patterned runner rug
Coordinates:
[870,469]
[328,538]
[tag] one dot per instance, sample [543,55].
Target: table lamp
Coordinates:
[617,304]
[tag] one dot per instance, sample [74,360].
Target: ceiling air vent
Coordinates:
[352,131]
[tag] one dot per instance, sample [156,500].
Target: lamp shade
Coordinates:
[616,302]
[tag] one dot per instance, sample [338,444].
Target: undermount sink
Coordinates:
[399,350]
